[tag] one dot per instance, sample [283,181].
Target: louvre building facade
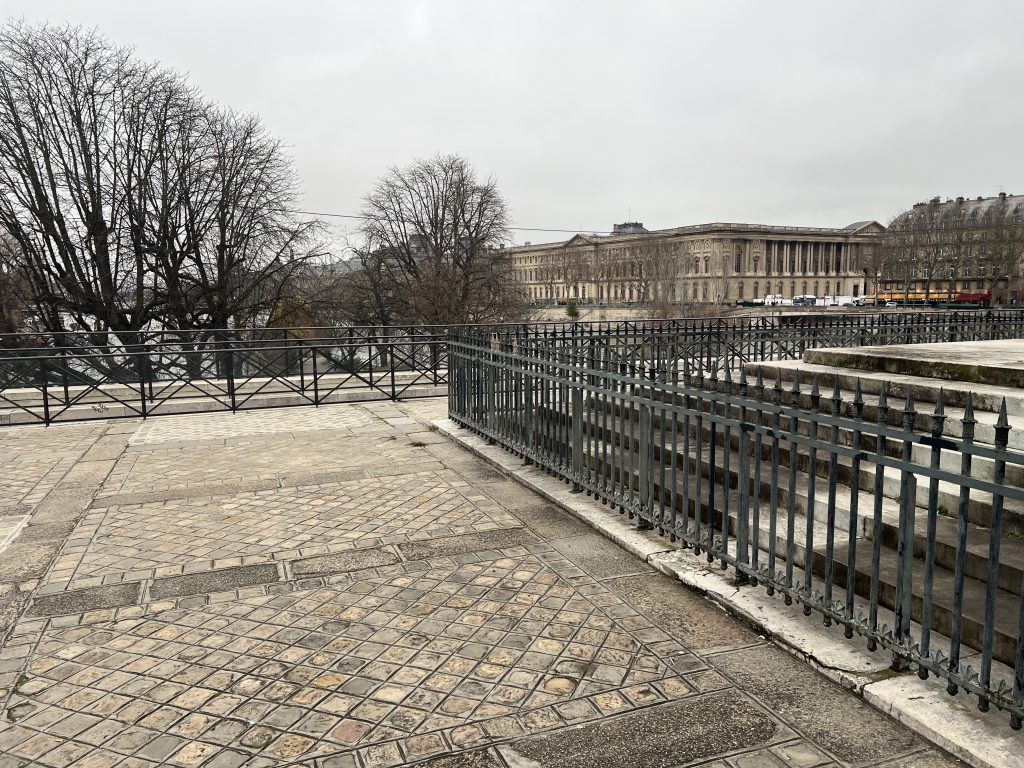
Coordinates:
[720,263]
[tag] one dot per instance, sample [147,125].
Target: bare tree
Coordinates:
[433,230]
[930,225]
[1002,248]
[13,288]
[653,268]
[568,268]
[896,252]
[133,200]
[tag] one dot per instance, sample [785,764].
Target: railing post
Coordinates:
[140,372]
[743,482]
[316,381]
[1002,430]
[905,543]
[577,436]
[968,425]
[229,364]
[46,394]
[644,470]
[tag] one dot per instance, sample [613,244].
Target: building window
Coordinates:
[754,295]
[739,292]
[737,264]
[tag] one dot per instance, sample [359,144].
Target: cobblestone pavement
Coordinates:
[343,587]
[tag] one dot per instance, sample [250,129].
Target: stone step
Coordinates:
[985,409]
[943,582]
[1011,561]
[979,505]
[998,362]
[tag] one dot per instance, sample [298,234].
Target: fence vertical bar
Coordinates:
[794,426]
[642,505]
[905,542]
[853,526]
[1002,434]
[935,461]
[577,435]
[743,487]
[830,524]
[46,393]
[812,473]
[882,418]
[963,513]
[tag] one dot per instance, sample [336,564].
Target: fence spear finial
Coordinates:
[1002,426]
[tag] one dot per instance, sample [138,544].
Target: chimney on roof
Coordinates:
[960,201]
[980,197]
[1002,195]
[936,200]
[629,228]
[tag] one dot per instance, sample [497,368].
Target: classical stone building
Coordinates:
[702,263]
[957,249]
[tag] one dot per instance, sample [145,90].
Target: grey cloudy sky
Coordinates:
[783,112]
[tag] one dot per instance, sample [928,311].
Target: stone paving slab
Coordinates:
[152,536]
[421,610]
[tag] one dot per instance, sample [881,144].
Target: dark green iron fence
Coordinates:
[50,377]
[837,502]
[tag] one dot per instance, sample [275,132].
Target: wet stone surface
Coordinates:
[335,588]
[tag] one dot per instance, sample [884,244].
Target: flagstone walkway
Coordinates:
[343,587]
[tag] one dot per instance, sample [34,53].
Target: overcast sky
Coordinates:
[588,113]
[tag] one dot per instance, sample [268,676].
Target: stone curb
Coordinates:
[952,723]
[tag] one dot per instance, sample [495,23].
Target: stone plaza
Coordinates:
[344,586]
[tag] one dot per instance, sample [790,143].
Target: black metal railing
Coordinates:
[67,376]
[906,536]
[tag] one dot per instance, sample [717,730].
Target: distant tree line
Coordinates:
[128,201]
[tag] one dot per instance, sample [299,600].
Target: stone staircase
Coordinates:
[885,377]
[881,394]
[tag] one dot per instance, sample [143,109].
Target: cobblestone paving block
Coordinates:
[483,637]
[174,533]
[376,666]
[213,581]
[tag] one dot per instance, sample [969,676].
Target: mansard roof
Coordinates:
[976,210]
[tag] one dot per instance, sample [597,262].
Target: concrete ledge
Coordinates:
[952,723]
